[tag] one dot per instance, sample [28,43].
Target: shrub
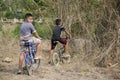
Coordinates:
[42,30]
[16,31]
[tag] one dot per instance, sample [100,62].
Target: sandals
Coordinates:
[38,57]
[19,72]
[65,55]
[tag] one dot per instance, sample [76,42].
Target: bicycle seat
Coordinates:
[25,40]
[56,42]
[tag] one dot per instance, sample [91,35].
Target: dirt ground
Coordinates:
[75,70]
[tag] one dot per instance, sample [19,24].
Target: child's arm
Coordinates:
[68,34]
[36,35]
[23,37]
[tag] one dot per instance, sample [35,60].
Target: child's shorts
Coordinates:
[54,42]
[34,41]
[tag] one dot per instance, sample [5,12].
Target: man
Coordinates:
[56,37]
[26,31]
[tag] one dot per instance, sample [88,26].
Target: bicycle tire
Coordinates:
[28,65]
[36,64]
[55,59]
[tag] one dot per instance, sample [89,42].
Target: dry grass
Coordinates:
[8,45]
[96,23]
[82,60]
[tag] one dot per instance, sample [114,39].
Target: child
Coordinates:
[26,31]
[56,37]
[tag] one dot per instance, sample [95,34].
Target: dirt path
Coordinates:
[73,71]
[49,72]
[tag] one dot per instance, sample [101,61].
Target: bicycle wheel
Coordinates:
[28,65]
[36,64]
[55,59]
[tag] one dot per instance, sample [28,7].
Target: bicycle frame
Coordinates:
[61,50]
[31,52]
[31,64]
[59,57]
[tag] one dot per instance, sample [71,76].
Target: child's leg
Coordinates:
[63,41]
[66,47]
[50,55]
[38,49]
[66,54]
[37,42]
[53,45]
[21,59]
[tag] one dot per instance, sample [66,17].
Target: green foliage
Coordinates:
[34,4]
[29,5]
[16,31]
[9,15]
[95,3]
[40,2]
[3,6]
[0,26]
[43,31]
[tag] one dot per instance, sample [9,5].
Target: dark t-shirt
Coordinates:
[57,32]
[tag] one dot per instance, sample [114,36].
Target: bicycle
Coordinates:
[31,64]
[58,57]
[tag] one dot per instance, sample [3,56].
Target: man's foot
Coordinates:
[19,72]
